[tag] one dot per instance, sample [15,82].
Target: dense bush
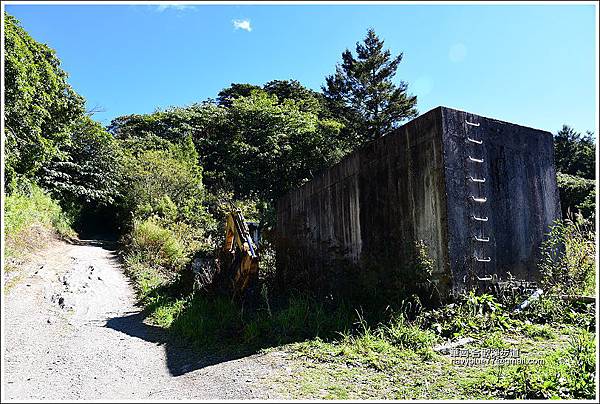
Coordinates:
[577,195]
[29,206]
[568,258]
[163,197]
[40,104]
[156,244]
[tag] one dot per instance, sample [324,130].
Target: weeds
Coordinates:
[564,374]
[27,209]
[381,344]
[538,332]
[32,206]
[470,314]
[157,244]
[568,258]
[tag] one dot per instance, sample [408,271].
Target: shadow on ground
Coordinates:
[180,358]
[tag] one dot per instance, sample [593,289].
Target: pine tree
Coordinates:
[363,95]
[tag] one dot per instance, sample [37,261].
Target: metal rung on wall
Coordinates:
[488,259]
[479,200]
[475,160]
[482,239]
[471,123]
[480,219]
[476,179]
[475,141]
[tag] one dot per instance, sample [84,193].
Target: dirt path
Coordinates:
[72,331]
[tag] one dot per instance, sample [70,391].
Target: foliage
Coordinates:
[275,147]
[163,193]
[259,146]
[214,323]
[156,244]
[306,99]
[164,179]
[574,153]
[577,195]
[470,313]
[564,374]
[363,93]
[40,104]
[568,258]
[29,206]
[89,170]
[234,91]
[538,331]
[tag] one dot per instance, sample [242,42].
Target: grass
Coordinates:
[31,218]
[337,352]
[371,365]
[539,332]
[26,209]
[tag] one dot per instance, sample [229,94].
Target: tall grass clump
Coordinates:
[568,257]
[563,374]
[30,206]
[157,244]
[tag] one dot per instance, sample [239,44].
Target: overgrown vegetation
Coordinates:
[27,208]
[163,181]
[574,155]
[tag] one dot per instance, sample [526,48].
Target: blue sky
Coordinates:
[532,65]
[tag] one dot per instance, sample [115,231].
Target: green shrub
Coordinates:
[494,340]
[156,244]
[408,336]
[30,206]
[568,258]
[577,195]
[564,374]
[470,313]
[539,332]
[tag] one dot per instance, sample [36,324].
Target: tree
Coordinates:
[236,90]
[574,153]
[89,170]
[362,91]
[306,99]
[40,104]
[274,147]
[260,146]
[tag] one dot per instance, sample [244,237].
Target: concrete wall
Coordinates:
[354,226]
[520,188]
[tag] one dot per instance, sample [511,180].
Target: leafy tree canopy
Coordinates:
[236,90]
[40,104]
[258,146]
[88,172]
[574,153]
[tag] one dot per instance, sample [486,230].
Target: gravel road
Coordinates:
[72,331]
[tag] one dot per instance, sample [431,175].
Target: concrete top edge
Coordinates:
[444,108]
[440,109]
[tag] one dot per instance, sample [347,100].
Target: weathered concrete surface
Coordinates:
[521,191]
[353,227]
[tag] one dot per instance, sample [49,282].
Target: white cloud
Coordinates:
[242,24]
[173,6]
